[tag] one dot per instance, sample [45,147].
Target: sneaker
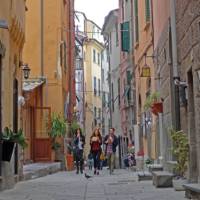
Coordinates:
[77,172]
[97,173]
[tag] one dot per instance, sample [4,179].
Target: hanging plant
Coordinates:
[152,98]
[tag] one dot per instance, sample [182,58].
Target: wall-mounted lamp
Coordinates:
[3,24]
[146,71]
[26,70]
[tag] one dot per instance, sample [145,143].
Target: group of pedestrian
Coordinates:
[96,156]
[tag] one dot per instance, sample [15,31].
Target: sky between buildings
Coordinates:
[96,10]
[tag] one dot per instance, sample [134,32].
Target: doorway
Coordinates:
[15,121]
[0,110]
[193,173]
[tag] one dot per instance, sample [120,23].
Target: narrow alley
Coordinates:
[69,186]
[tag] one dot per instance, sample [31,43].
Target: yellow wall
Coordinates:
[91,70]
[53,90]
[13,39]
[145,45]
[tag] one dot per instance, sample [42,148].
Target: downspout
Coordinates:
[42,38]
[176,105]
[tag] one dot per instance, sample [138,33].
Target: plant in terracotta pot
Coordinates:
[9,139]
[180,150]
[58,128]
[153,102]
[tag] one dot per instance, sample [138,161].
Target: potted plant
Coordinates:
[58,128]
[9,139]
[180,150]
[154,103]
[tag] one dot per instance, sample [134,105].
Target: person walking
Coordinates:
[90,161]
[95,143]
[79,143]
[111,143]
[102,159]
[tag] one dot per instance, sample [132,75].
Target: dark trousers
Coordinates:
[79,160]
[96,159]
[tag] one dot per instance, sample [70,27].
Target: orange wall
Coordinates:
[161,13]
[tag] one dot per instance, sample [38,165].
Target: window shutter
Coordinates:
[129,77]
[136,21]
[125,37]
[147,10]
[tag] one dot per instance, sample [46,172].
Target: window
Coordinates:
[147,10]
[136,21]
[98,58]
[99,87]
[95,86]
[95,112]
[102,75]
[129,77]
[122,10]
[102,56]
[104,99]
[100,113]
[117,36]
[110,42]
[119,92]
[125,36]
[112,91]
[94,55]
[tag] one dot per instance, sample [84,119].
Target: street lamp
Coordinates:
[26,71]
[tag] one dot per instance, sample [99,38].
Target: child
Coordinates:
[90,161]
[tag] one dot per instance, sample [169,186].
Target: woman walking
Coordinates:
[79,143]
[95,143]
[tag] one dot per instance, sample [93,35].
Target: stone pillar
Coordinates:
[8,180]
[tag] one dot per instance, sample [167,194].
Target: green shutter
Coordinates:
[125,34]
[129,77]
[136,7]
[136,21]
[147,10]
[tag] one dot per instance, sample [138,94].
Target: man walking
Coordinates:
[111,142]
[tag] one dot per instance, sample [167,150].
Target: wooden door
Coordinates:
[42,142]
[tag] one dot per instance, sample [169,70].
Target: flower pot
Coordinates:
[69,162]
[7,150]
[178,184]
[156,108]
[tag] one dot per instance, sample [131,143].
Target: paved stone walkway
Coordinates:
[123,185]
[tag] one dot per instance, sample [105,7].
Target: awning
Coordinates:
[29,85]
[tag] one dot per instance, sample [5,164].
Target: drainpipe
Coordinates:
[42,48]
[42,38]
[176,105]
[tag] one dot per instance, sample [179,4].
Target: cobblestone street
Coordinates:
[69,186]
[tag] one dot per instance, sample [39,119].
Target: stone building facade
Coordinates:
[186,114]
[11,45]
[188,46]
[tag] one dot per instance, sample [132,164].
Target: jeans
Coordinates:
[96,159]
[79,160]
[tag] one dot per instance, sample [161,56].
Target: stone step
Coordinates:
[192,190]
[155,167]
[144,176]
[36,170]
[162,179]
